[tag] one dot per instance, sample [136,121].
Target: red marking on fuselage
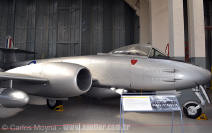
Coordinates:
[133,62]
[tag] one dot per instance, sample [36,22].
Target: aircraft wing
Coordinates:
[23,77]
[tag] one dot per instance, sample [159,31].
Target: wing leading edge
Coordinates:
[23,77]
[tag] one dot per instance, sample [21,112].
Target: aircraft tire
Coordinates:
[53,103]
[190,112]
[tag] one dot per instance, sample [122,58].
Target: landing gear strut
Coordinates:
[193,109]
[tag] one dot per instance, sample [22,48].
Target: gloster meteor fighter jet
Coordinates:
[132,68]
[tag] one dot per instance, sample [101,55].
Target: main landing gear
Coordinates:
[56,105]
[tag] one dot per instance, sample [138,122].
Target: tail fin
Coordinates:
[9,54]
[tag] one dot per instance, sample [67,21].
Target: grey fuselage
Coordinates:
[137,72]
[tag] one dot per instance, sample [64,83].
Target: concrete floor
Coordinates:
[93,116]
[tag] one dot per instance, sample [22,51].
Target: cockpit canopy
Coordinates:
[140,50]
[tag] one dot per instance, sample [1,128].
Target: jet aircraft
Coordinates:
[134,68]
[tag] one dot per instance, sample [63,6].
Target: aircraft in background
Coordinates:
[134,68]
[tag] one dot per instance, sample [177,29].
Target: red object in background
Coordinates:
[167,49]
[9,42]
[186,52]
[208,27]
[133,62]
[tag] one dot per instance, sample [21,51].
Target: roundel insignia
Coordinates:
[133,61]
[32,62]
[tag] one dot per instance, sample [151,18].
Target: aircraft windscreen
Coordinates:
[134,49]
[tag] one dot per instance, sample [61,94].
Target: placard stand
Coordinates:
[172,102]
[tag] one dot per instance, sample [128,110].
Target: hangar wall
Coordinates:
[208,31]
[159,23]
[154,21]
[177,22]
[54,28]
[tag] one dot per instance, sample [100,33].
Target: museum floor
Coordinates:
[94,117]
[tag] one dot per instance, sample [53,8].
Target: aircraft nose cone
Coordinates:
[200,75]
[190,76]
[204,76]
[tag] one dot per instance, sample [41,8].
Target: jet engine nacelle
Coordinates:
[65,79]
[13,98]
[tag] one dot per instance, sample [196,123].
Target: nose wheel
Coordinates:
[192,110]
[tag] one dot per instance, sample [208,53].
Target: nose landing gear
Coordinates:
[193,109]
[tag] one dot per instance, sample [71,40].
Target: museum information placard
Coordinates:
[155,103]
